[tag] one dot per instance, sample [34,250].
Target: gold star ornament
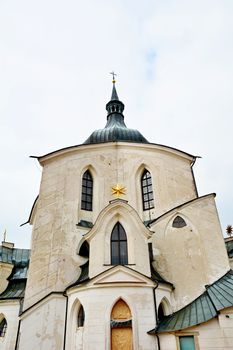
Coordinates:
[118,191]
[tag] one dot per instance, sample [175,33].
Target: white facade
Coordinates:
[188,258]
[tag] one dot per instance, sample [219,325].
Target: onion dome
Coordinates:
[115,128]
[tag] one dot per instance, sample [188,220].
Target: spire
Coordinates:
[115,129]
[114,105]
[114,92]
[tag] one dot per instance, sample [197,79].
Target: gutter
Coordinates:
[156,316]
[17,337]
[65,325]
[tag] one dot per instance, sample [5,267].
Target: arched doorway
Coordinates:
[121,327]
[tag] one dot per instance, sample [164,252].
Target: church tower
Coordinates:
[125,254]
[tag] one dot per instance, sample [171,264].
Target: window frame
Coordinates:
[147,190]
[119,258]
[187,334]
[87,186]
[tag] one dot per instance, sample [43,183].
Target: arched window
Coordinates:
[119,253]
[81,316]
[87,191]
[147,191]
[3,327]
[160,312]
[179,222]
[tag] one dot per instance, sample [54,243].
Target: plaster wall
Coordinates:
[10,310]
[5,271]
[42,327]
[192,256]
[97,303]
[55,238]
[216,334]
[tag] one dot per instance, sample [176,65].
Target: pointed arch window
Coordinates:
[178,222]
[3,327]
[147,190]
[81,316]
[119,251]
[87,191]
[161,313]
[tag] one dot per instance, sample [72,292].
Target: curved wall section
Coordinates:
[193,253]
[56,236]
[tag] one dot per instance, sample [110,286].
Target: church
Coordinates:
[125,255]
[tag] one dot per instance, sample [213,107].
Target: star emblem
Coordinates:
[118,190]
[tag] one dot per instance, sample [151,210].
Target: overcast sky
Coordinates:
[174,61]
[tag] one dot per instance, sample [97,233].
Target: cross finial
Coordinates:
[113,77]
[4,236]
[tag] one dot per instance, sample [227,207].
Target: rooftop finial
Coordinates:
[114,96]
[4,236]
[113,77]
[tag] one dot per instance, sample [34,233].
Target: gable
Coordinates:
[120,274]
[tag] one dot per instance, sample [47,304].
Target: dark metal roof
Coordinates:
[217,296]
[120,323]
[155,276]
[115,129]
[85,223]
[14,290]
[84,275]
[18,257]
[17,280]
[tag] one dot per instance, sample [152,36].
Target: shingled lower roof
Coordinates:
[217,296]
[17,280]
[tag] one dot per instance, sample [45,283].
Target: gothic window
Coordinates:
[147,190]
[3,327]
[160,312]
[119,253]
[81,317]
[87,191]
[179,222]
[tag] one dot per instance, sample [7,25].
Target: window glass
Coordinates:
[119,252]
[123,252]
[115,253]
[87,191]
[179,222]
[187,343]
[160,312]
[3,327]
[147,191]
[81,317]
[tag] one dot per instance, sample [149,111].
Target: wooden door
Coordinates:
[122,339]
